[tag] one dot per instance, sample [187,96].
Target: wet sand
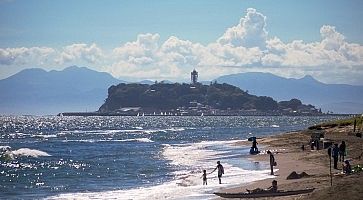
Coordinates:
[290,157]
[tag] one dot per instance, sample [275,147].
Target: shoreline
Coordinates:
[289,156]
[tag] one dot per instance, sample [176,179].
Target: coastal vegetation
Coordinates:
[357,120]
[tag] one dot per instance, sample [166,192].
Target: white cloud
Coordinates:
[245,47]
[250,32]
[140,52]
[88,53]
[23,55]
[332,40]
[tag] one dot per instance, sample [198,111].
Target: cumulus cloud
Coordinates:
[250,32]
[23,55]
[331,51]
[89,53]
[243,47]
[140,52]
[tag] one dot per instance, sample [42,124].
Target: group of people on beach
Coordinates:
[338,153]
[220,169]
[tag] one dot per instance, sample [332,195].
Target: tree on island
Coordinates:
[165,96]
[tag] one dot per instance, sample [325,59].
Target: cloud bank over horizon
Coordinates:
[245,47]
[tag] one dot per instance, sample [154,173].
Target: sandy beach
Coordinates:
[290,157]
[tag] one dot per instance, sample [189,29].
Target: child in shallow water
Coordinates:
[204,176]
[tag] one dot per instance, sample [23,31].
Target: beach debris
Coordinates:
[295,175]
[357,168]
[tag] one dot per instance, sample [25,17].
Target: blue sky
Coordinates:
[101,35]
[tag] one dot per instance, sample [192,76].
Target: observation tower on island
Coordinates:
[194,77]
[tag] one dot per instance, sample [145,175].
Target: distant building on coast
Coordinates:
[194,77]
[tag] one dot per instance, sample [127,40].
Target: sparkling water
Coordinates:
[132,157]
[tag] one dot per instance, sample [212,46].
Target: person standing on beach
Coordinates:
[342,151]
[204,176]
[272,161]
[254,145]
[335,154]
[220,171]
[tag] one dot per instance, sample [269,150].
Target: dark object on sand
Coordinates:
[254,151]
[295,175]
[358,135]
[263,194]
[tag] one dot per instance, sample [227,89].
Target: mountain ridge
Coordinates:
[40,92]
[307,89]
[37,91]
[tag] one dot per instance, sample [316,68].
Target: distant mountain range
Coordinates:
[337,98]
[36,91]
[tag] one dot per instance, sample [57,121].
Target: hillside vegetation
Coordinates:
[358,120]
[162,96]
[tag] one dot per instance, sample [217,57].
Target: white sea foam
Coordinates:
[150,131]
[45,136]
[5,148]
[111,140]
[137,130]
[137,139]
[143,140]
[192,158]
[190,187]
[29,152]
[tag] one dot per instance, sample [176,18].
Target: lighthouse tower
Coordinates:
[194,77]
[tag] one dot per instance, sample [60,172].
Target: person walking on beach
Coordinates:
[204,176]
[342,151]
[220,171]
[272,161]
[335,154]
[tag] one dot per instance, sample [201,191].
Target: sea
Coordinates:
[139,157]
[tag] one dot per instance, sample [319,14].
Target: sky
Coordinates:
[166,39]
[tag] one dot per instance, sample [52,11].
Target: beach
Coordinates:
[290,157]
[154,157]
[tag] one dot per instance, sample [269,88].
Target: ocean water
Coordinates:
[132,157]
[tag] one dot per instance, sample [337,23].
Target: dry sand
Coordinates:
[290,157]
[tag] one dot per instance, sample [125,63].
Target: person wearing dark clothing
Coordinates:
[204,176]
[272,188]
[254,145]
[347,168]
[272,161]
[220,171]
[335,155]
[342,151]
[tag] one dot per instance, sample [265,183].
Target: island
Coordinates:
[195,99]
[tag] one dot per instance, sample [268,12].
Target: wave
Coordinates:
[187,187]
[192,154]
[29,152]
[45,136]
[164,130]
[137,130]
[143,140]
[190,159]
[111,140]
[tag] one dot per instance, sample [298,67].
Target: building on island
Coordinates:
[194,77]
